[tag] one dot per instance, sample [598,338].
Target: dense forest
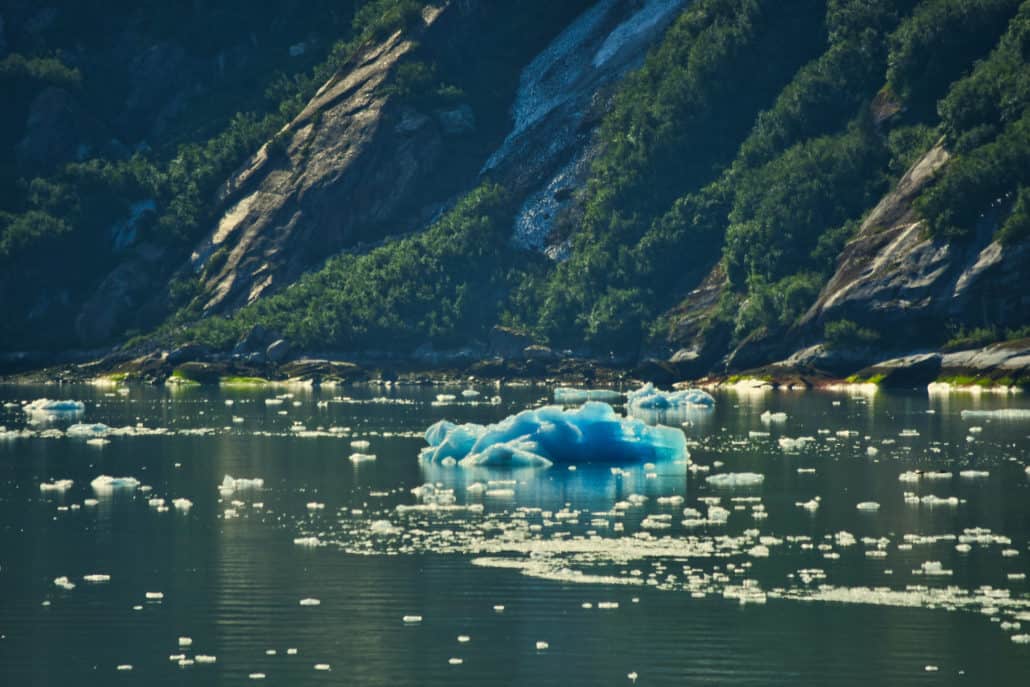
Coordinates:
[750,145]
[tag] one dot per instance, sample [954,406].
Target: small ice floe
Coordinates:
[736,479]
[569,395]
[359,444]
[411,619]
[463,639]
[291,652]
[231,484]
[323,667]
[185,641]
[89,503]
[794,444]
[648,397]
[273,401]
[455,661]
[632,677]
[59,485]
[542,645]
[310,602]
[769,418]
[155,596]
[499,608]
[999,414]
[257,676]
[871,450]
[50,407]
[105,484]
[315,505]
[362,457]
[470,393]
[307,541]
[64,583]
[811,505]
[674,500]
[974,474]
[383,527]
[1021,639]
[182,504]
[158,503]
[96,578]
[868,506]
[205,658]
[445,398]
[124,667]
[932,569]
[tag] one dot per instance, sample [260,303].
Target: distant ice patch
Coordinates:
[592,433]
[564,394]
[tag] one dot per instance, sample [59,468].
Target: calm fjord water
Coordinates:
[834,595]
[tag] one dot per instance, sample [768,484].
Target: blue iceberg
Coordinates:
[648,397]
[592,433]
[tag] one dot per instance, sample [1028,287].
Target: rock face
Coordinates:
[56,124]
[896,279]
[338,167]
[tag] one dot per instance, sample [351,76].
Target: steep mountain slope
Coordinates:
[717,183]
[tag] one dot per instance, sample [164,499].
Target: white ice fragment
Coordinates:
[309,602]
[361,457]
[258,676]
[542,645]
[463,639]
[571,395]
[64,583]
[306,541]
[205,658]
[185,641]
[974,474]
[105,484]
[97,578]
[230,484]
[155,596]
[56,485]
[124,667]
[182,504]
[455,661]
[768,417]
[323,666]
[1000,414]
[648,397]
[360,444]
[411,619]
[736,479]
[868,506]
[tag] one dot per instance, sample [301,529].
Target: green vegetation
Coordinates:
[847,334]
[871,379]
[243,381]
[982,336]
[442,286]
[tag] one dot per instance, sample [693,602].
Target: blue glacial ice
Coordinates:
[592,433]
[564,394]
[648,397]
[45,405]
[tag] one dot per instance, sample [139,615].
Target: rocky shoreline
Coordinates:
[1001,366]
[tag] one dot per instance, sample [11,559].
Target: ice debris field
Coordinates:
[738,510]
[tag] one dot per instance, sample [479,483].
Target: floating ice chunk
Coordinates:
[362,457]
[64,583]
[105,484]
[230,484]
[999,414]
[933,568]
[769,417]
[462,639]
[455,661]
[257,676]
[315,505]
[359,444]
[974,474]
[181,504]
[792,444]
[307,541]
[648,397]
[499,608]
[871,450]
[56,485]
[383,527]
[185,641]
[93,431]
[47,406]
[205,658]
[97,578]
[1021,639]
[155,596]
[736,479]
[564,394]
[868,506]
[98,442]
[811,505]
[310,602]
[592,433]
[323,666]
[411,619]
[632,677]
[674,500]
[470,393]
[445,398]
[542,646]
[90,502]
[124,667]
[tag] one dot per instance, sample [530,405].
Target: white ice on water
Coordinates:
[648,397]
[564,394]
[105,484]
[736,479]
